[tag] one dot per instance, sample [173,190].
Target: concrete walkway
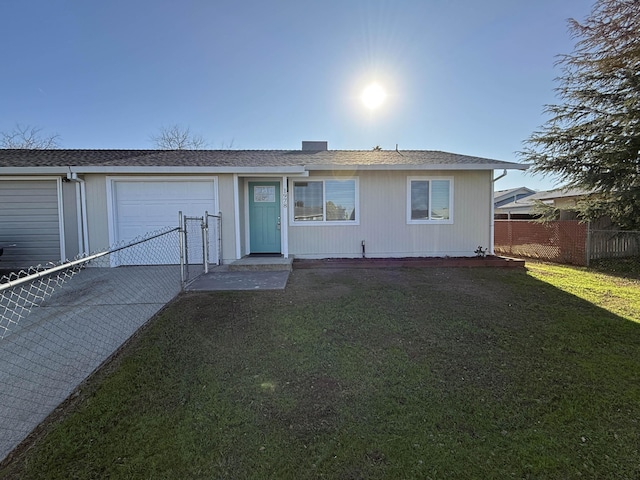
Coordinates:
[61,342]
[248,273]
[223,279]
[67,337]
[230,281]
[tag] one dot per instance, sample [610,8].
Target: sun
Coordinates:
[373,96]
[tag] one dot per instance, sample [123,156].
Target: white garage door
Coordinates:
[141,207]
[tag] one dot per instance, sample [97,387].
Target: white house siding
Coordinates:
[98,224]
[30,216]
[382,223]
[97,218]
[242,209]
[226,200]
[383,220]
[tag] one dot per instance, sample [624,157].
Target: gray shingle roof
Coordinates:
[546,196]
[241,158]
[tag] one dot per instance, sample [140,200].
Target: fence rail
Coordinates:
[58,323]
[215,222]
[202,244]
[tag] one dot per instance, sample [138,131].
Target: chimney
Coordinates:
[314,146]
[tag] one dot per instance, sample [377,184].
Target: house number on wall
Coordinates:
[264,194]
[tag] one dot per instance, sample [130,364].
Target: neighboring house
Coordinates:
[563,199]
[503,197]
[309,203]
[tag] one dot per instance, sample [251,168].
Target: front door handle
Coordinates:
[278,224]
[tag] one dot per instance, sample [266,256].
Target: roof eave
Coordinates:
[189,169]
[514,209]
[295,170]
[284,170]
[446,166]
[59,170]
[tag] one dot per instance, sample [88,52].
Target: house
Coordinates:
[308,203]
[503,197]
[524,208]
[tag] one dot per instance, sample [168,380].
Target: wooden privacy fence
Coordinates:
[563,241]
[613,244]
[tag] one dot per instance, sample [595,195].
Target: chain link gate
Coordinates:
[213,233]
[197,251]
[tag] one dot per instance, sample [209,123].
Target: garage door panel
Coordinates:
[141,207]
[163,192]
[29,218]
[158,211]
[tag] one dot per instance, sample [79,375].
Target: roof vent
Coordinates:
[314,146]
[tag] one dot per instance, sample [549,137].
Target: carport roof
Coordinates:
[92,160]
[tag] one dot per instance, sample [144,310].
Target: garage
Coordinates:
[31,218]
[140,206]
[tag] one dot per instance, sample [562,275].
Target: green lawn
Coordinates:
[367,374]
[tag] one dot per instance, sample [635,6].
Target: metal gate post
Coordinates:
[186,248]
[219,240]
[205,241]
[182,244]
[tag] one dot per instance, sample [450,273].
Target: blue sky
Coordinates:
[462,76]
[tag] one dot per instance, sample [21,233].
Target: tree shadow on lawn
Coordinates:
[368,373]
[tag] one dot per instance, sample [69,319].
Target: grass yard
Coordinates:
[368,374]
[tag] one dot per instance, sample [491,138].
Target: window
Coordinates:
[325,201]
[429,200]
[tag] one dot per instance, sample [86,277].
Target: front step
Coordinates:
[262,264]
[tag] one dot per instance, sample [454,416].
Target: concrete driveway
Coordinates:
[62,341]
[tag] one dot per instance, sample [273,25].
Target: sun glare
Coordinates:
[373,96]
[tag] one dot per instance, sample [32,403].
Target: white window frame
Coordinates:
[323,222]
[429,221]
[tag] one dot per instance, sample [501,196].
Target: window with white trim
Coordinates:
[324,201]
[429,200]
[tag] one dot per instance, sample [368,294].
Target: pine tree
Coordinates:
[592,139]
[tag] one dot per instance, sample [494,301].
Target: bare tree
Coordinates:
[176,137]
[228,146]
[29,137]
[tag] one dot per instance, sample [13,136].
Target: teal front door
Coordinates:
[264,217]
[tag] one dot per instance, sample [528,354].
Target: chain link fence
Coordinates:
[563,241]
[569,242]
[202,244]
[59,323]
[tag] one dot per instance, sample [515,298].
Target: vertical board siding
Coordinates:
[70,208]
[97,212]
[97,218]
[244,219]
[383,220]
[225,197]
[29,218]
